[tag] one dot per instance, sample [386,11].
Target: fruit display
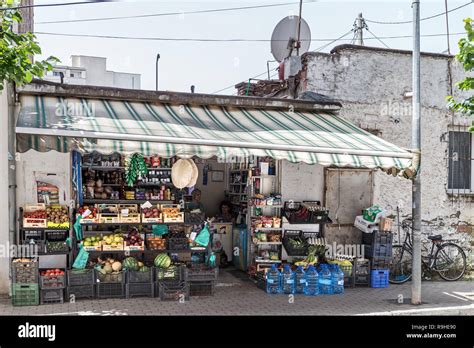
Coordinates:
[92,243]
[152,214]
[131,264]
[57,216]
[91,217]
[35,216]
[134,240]
[156,243]
[162,261]
[108,213]
[109,270]
[313,256]
[56,247]
[24,271]
[52,278]
[172,213]
[129,213]
[112,242]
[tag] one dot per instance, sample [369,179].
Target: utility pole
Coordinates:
[298,42]
[416,148]
[157,59]
[360,26]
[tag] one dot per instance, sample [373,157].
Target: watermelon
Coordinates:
[130,263]
[162,261]
[144,269]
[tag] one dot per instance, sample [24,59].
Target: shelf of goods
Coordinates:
[44,231]
[264,220]
[104,181]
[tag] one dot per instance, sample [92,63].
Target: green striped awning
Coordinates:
[53,123]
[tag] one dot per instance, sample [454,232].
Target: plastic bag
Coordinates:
[203,237]
[81,259]
[160,230]
[78,227]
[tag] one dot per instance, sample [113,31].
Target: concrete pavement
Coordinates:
[236,295]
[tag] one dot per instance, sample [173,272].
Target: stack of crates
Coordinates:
[110,285]
[140,284]
[171,284]
[80,284]
[25,288]
[361,272]
[52,288]
[378,248]
[201,279]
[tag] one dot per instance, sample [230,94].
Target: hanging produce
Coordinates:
[135,168]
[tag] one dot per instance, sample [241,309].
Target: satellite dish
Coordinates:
[285,38]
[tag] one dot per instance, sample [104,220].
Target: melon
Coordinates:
[144,269]
[117,266]
[131,264]
[162,261]
[108,268]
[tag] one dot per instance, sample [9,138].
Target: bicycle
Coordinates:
[445,258]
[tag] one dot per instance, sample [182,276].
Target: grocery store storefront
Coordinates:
[246,147]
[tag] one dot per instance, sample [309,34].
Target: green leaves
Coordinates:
[17,51]
[135,167]
[466,58]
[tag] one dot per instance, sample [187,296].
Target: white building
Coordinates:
[87,70]
[374,86]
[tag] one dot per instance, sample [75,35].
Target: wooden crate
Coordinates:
[108,213]
[171,213]
[155,219]
[134,248]
[133,215]
[92,248]
[60,225]
[33,222]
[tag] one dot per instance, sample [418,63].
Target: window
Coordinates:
[460,163]
[56,73]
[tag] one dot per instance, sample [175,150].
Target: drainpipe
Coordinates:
[13,108]
[416,150]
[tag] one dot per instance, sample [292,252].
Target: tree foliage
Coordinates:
[466,57]
[17,50]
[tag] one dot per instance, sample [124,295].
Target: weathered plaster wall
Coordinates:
[371,86]
[302,182]
[4,204]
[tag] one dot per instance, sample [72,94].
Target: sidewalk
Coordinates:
[236,295]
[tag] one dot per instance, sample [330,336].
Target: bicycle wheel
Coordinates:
[400,268]
[450,262]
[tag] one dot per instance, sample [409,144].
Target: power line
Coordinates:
[317,49]
[51,5]
[175,13]
[383,43]
[422,19]
[223,40]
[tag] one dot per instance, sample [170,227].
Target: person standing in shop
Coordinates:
[196,201]
[226,212]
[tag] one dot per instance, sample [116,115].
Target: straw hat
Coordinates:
[181,173]
[195,174]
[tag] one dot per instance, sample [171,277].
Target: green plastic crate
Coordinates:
[25,294]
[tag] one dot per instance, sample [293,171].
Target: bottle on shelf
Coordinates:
[311,286]
[300,280]
[273,279]
[325,280]
[337,279]
[288,280]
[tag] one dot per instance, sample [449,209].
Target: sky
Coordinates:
[213,66]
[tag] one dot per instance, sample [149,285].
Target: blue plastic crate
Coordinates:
[379,278]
